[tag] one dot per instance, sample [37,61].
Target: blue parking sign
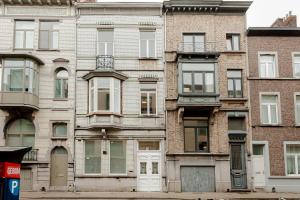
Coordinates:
[14,186]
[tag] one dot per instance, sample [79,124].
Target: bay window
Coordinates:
[293,159]
[105,94]
[20,75]
[198,78]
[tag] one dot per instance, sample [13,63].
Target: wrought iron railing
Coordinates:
[31,155]
[197,47]
[104,62]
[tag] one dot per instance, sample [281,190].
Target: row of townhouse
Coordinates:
[173,96]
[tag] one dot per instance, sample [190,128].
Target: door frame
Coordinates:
[158,152]
[266,159]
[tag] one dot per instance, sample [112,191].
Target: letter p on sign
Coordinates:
[14,186]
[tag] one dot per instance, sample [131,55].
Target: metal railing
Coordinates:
[104,62]
[197,47]
[31,155]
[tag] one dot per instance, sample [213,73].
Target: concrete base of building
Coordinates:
[281,184]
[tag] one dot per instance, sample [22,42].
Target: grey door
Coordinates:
[59,167]
[26,180]
[238,166]
[197,179]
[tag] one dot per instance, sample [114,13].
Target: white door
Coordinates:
[259,166]
[149,171]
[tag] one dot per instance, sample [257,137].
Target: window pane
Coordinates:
[147,35]
[193,123]
[92,156]
[14,63]
[25,25]
[13,140]
[290,148]
[60,130]
[198,81]
[19,39]
[297,69]
[152,103]
[151,47]
[143,168]
[238,88]
[234,73]
[65,88]
[106,35]
[117,94]
[298,113]
[236,42]
[189,139]
[154,167]
[54,40]
[103,99]
[271,70]
[0,77]
[269,98]
[13,79]
[118,157]
[44,39]
[144,103]
[28,140]
[228,44]
[264,112]
[236,157]
[209,82]
[202,139]
[109,48]
[230,88]
[188,43]
[258,149]
[198,67]
[149,145]
[291,165]
[274,114]
[187,82]
[143,48]
[199,45]
[29,39]
[263,68]
[58,87]
[236,124]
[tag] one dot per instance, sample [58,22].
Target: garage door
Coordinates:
[197,179]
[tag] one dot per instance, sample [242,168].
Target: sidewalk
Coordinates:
[155,195]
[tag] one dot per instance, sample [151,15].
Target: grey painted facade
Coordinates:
[40,108]
[125,22]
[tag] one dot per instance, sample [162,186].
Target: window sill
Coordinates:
[62,99]
[274,79]
[198,95]
[23,49]
[233,99]
[233,52]
[146,58]
[149,116]
[48,50]
[104,176]
[59,138]
[104,113]
[270,125]
[296,176]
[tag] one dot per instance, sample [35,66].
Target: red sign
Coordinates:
[9,170]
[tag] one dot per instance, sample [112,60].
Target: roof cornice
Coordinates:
[120,5]
[38,2]
[273,32]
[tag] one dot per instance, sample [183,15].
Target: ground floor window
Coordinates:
[92,157]
[118,157]
[196,135]
[293,159]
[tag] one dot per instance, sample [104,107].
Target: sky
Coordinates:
[261,12]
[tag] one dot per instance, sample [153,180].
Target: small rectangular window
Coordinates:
[148,99]
[269,109]
[267,66]
[118,157]
[147,44]
[258,149]
[92,157]
[106,42]
[234,78]
[60,129]
[24,34]
[149,145]
[193,42]
[293,159]
[233,42]
[236,124]
[296,65]
[49,32]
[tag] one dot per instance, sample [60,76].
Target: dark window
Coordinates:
[196,135]
[198,78]
[233,42]
[193,42]
[236,124]
[235,83]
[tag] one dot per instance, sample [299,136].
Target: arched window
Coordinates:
[61,84]
[20,132]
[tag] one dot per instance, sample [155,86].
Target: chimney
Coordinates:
[288,21]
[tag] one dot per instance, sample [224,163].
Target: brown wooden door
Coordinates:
[59,167]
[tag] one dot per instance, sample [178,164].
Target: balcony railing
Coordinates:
[197,47]
[31,155]
[104,62]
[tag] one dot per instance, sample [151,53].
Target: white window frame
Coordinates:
[294,54]
[285,143]
[148,100]
[126,159]
[111,95]
[270,53]
[24,31]
[295,104]
[101,169]
[278,108]
[49,32]
[155,53]
[105,43]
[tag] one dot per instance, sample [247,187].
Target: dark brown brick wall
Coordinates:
[285,85]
